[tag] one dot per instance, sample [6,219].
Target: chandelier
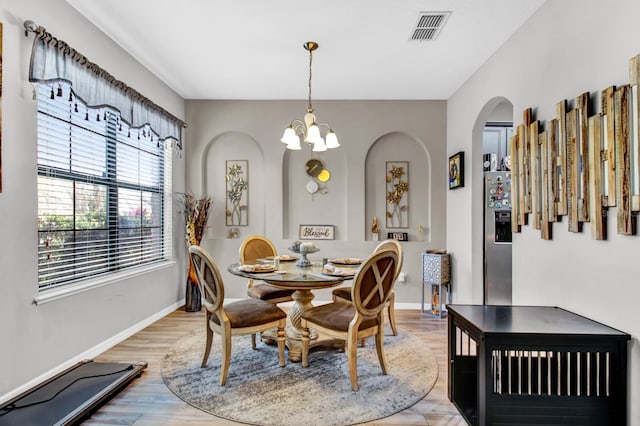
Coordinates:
[309,129]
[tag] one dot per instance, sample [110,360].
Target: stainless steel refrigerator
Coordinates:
[497,238]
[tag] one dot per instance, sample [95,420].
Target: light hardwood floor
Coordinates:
[147,401]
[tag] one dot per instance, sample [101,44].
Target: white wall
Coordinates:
[568,47]
[285,204]
[37,339]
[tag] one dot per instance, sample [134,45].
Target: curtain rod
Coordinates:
[30,26]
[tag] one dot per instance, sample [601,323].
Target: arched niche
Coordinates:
[328,206]
[234,146]
[396,147]
[496,109]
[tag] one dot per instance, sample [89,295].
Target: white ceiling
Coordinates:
[252,49]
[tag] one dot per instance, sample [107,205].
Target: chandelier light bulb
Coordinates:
[319,145]
[294,143]
[332,140]
[313,134]
[288,135]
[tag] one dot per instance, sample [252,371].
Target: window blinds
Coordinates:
[104,190]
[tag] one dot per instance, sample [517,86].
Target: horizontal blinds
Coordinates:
[102,191]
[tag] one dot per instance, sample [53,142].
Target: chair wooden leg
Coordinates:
[380,349]
[226,354]
[352,357]
[305,343]
[207,347]
[253,341]
[392,314]
[281,340]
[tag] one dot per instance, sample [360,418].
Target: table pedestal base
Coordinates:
[293,340]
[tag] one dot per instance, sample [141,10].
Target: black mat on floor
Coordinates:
[71,396]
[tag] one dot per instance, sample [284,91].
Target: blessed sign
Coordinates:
[316,232]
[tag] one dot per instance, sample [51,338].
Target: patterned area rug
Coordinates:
[260,392]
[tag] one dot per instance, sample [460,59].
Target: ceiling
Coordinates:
[253,49]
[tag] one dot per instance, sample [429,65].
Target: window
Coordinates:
[103,190]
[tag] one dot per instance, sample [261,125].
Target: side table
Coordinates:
[436,274]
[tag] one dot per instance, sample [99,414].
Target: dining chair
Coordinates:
[359,319]
[247,316]
[256,247]
[345,292]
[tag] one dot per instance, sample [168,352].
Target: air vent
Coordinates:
[429,25]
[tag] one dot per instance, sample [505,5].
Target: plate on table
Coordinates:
[346,261]
[338,272]
[287,258]
[257,269]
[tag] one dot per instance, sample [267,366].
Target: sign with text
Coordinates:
[400,236]
[316,232]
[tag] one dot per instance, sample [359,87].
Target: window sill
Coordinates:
[47,296]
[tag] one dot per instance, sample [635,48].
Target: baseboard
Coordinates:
[92,352]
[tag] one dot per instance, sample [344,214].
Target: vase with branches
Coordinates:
[196,213]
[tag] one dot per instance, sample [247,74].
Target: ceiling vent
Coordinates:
[429,25]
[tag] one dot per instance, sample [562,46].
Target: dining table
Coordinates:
[304,280]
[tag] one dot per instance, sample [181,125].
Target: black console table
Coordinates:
[535,365]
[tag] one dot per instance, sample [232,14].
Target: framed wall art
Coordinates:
[237,181]
[456,171]
[397,194]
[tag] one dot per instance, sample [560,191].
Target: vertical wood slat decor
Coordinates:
[582,103]
[515,170]
[581,164]
[534,173]
[596,171]
[609,142]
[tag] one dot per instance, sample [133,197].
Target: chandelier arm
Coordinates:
[298,126]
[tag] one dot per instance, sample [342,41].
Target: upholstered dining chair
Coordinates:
[258,247]
[345,292]
[247,316]
[360,318]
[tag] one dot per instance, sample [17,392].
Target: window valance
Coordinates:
[54,60]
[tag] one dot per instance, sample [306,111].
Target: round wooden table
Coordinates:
[303,281]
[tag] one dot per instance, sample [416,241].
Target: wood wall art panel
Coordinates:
[534,173]
[573,171]
[515,167]
[522,188]
[623,162]
[583,163]
[609,143]
[545,225]
[596,171]
[582,144]
[553,165]
[561,115]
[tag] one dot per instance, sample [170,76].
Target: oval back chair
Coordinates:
[345,292]
[359,319]
[256,247]
[247,316]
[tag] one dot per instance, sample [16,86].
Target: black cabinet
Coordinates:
[535,365]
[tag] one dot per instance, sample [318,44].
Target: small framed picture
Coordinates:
[316,232]
[456,171]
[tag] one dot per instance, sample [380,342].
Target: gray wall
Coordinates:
[558,54]
[370,132]
[37,339]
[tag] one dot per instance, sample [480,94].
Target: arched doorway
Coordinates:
[492,202]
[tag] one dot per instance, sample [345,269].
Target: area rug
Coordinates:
[260,392]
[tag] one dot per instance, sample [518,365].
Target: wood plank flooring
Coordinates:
[147,401]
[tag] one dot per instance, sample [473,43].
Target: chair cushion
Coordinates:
[343,293]
[267,292]
[250,312]
[336,316]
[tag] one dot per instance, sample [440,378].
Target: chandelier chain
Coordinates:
[310,107]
